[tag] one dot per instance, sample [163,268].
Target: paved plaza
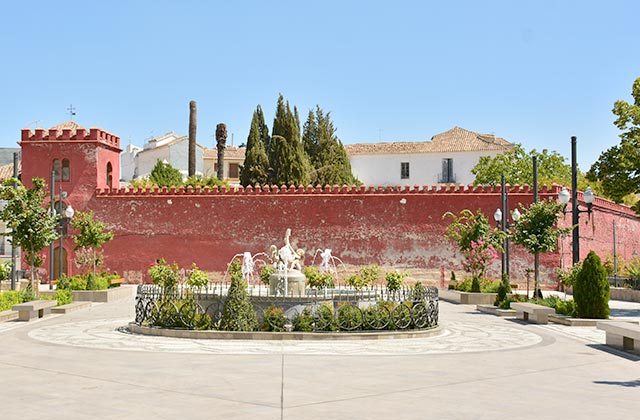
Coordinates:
[85,365]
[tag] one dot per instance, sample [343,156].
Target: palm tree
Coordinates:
[221,144]
[193,121]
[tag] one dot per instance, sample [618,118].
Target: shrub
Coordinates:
[475,285]
[506,304]
[265,273]
[27,295]
[205,181]
[238,313]
[97,282]
[591,291]
[164,275]
[197,277]
[350,317]
[324,318]
[568,277]
[274,319]
[141,183]
[10,298]
[394,280]
[370,274]
[378,316]
[355,281]
[303,321]
[202,322]
[5,271]
[563,307]
[317,279]
[61,296]
[165,175]
[632,268]
[418,292]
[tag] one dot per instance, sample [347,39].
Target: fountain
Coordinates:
[288,280]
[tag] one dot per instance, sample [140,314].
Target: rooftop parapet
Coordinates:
[68,134]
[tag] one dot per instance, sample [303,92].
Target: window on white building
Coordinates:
[404,170]
[447,171]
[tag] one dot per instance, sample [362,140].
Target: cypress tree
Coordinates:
[591,291]
[264,130]
[287,159]
[256,163]
[325,150]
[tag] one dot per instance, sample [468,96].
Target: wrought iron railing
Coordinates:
[336,309]
[628,282]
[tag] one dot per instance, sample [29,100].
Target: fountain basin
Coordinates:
[296,283]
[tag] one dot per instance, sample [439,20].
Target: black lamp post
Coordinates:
[502,222]
[563,197]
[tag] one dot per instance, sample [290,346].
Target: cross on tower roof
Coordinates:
[72,111]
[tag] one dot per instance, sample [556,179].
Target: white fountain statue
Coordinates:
[288,280]
[248,266]
[325,264]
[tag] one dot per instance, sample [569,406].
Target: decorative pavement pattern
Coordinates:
[457,337]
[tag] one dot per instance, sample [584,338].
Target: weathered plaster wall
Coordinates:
[396,227]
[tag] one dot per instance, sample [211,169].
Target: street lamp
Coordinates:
[504,225]
[67,215]
[588,197]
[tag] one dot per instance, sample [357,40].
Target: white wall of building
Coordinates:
[128,162]
[424,168]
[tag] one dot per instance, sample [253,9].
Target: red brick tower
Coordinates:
[82,160]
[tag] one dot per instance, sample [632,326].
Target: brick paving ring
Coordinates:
[453,337]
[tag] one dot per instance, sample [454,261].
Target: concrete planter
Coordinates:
[108,295]
[467,298]
[282,336]
[622,293]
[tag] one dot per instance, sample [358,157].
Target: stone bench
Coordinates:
[70,307]
[532,312]
[34,309]
[622,335]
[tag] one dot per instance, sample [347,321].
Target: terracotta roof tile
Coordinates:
[6,171]
[455,140]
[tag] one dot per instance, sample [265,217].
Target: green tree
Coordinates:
[256,162]
[92,234]
[591,290]
[32,226]
[537,231]
[517,167]
[165,175]
[287,159]
[238,313]
[477,241]
[618,168]
[326,153]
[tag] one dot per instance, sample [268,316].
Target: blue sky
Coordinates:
[533,72]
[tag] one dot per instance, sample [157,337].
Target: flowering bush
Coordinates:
[477,241]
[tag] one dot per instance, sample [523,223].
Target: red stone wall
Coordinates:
[393,227]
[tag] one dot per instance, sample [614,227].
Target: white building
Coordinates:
[171,148]
[447,158]
[233,160]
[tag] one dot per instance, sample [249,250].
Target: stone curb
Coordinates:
[282,336]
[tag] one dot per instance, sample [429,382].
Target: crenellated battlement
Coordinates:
[70,134]
[327,189]
[354,190]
